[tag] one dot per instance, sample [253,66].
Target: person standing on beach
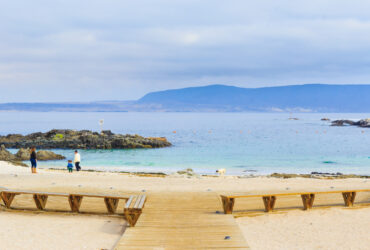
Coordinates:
[33,159]
[77,161]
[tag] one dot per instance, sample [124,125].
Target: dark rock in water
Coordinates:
[23,154]
[84,139]
[365,123]
[342,122]
[42,155]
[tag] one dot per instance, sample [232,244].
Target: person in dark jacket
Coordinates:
[33,159]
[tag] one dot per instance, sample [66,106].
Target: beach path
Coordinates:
[183,220]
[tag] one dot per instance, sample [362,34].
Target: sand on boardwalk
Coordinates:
[288,230]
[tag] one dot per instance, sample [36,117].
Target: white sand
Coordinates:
[336,228]
[44,231]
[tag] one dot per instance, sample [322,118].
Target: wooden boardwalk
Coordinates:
[183,221]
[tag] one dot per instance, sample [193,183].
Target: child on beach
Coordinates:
[70,166]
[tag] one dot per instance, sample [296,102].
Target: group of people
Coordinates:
[77,161]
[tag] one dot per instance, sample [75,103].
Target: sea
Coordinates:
[242,143]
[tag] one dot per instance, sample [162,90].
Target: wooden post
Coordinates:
[7,198]
[307,200]
[132,215]
[75,202]
[111,204]
[269,202]
[349,198]
[228,204]
[40,200]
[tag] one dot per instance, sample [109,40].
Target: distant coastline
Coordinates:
[305,98]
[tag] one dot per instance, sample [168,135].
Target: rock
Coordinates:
[364,123]
[342,122]
[187,172]
[44,155]
[84,139]
[23,154]
[5,155]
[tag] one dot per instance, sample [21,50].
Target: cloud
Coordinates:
[98,50]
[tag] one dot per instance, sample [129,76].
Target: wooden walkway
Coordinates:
[183,221]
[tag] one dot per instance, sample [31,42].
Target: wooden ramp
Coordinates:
[183,221]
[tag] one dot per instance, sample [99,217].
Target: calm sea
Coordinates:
[243,143]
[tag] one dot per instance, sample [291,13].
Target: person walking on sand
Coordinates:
[33,159]
[77,161]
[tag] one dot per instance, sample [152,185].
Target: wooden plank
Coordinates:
[35,192]
[123,197]
[111,204]
[40,200]
[183,221]
[297,193]
[269,199]
[307,200]
[137,202]
[228,204]
[129,201]
[7,198]
[66,194]
[349,198]
[269,202]
[75,202]
[142,202]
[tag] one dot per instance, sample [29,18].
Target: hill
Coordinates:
[222,98]
[301,98]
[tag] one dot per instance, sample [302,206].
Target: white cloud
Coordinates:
[123,49]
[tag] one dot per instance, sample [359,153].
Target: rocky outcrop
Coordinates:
[5,155]
[84,139]
[365,123]
[24,155]
[42,155]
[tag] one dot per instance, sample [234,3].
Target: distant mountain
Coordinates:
[298,98]
[221,98]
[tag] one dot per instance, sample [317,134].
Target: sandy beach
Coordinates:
[321,228]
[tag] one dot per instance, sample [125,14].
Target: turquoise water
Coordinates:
[243,143]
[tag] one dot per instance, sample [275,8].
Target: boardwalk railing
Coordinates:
[132,209]
[228,201]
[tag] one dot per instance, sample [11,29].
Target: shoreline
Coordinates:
[103,232]
[191,173]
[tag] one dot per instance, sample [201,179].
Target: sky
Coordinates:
[78,51]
